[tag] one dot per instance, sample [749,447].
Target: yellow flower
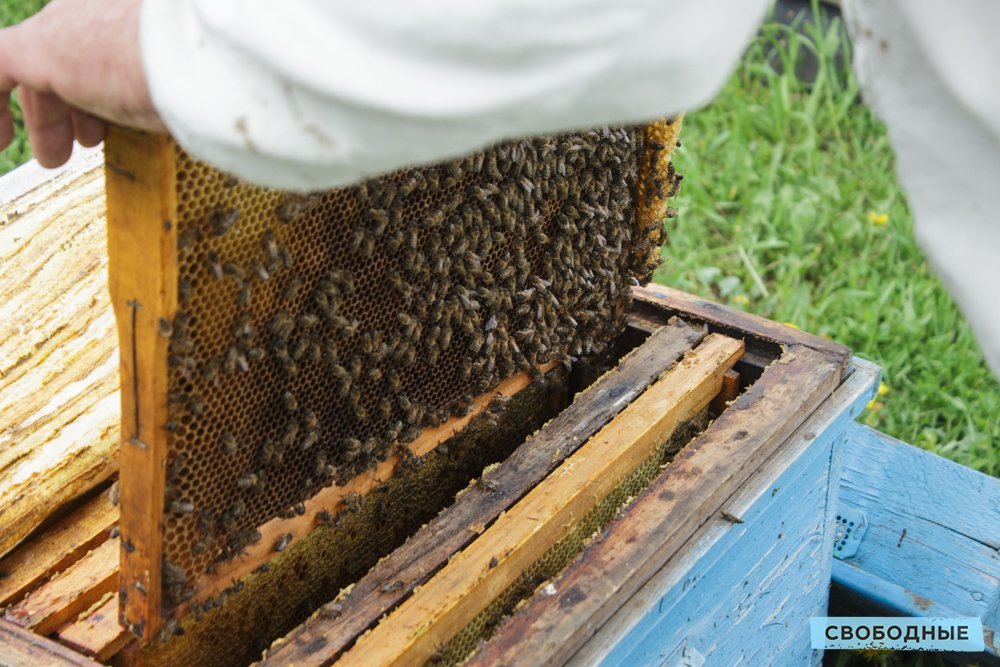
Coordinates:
[741,300]
[883,389]
[878,219]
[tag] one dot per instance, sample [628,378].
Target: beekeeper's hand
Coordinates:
[76,65]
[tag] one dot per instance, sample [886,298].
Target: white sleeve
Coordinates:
[928,68]
[310,94]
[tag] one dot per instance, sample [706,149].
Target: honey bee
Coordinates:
[291,434]
[228,442]
[243,297]
[392,586]
[289,209]
[352,502]
[310,420]
[259,270]
[270,245]
[352,448]
[249,481]
[181,507]
[331,610]
[312,437]
[183,289]
[233,270]
[282,542]
[164,328]
[222,221]
[235,360]
[188,238]
[271,454]
[281,325]
[291,403]
[308,320]
[291,290]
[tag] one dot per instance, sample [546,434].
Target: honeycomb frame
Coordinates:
[226,389]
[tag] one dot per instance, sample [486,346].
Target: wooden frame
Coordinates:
[22,648]
[432,616]
[551,628]
[144,176]
[141,297]
[647,625]
[331,632]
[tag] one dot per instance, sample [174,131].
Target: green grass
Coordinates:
[11,12]
[782,180]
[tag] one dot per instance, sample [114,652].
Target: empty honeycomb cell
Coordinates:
[314,332]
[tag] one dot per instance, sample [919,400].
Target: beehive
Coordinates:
[275,344]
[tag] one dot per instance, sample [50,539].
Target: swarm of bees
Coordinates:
[316,334]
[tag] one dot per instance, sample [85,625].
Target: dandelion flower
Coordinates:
[878,219]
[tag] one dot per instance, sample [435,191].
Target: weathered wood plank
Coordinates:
[474,577]
[688,604]
[22,648]
[325,636]
[58,358]
[763,337]
[143,289]
[98,633]
[70,592]
[933,537]
[62,544]
[700,479]
[331,499]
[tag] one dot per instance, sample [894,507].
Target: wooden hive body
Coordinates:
[693,485]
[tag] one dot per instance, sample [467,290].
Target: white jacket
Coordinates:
[310,94]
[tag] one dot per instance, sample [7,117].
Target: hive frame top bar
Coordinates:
[149,229]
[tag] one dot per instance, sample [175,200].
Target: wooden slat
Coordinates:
[325,636]
[143,290]
[331,499]
[730,390]
[70,592]
[62,544]
[97,633]
[701,478]
[22,648]
[58,358]
[653,303]
[473,578]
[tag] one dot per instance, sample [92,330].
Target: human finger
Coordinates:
[50,128]
[6,121]
[88,130]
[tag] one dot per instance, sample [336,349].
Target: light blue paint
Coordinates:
[744,593]
[947,563]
